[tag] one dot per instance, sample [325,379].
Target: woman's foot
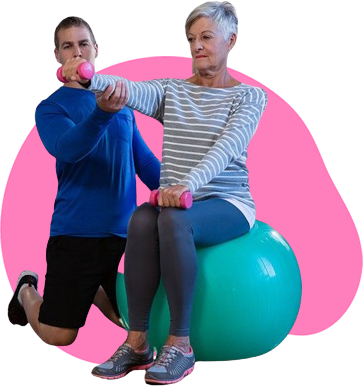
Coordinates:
[134,354]
[182,342]
[171,366]
[124,360]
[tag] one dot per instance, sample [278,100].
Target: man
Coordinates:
[98,149]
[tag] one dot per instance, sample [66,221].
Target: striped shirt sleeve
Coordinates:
[146,97]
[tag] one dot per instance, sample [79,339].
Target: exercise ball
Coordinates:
[246,301]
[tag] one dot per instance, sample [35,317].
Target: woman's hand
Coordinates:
[170,197]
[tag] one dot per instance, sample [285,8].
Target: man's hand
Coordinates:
[70,70]
[113,101]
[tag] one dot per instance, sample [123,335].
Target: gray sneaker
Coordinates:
[171,366]
[124,360]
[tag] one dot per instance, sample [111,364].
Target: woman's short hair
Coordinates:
[223,14]
[72,21]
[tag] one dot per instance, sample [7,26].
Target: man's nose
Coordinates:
[77,52]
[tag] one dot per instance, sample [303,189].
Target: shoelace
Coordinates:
[167,354]
[121,350]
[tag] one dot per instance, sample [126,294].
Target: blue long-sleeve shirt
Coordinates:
[97,156]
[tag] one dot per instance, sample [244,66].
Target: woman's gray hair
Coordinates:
[223,14]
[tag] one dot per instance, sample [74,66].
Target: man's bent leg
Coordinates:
[102,302]
[55,336]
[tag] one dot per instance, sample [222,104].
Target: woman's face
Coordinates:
[208,47]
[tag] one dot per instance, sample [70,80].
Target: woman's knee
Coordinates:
[144,219]
[174,221]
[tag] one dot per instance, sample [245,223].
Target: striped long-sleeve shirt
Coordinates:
[206,134]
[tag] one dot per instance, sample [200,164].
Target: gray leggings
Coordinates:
[161,244]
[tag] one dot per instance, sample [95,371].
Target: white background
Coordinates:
[3,27]
[331,28]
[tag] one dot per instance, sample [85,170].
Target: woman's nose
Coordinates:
[198,45]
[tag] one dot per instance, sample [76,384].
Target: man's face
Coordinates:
[75,42]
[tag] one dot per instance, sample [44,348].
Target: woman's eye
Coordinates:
[190,40]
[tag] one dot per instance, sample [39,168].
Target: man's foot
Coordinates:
[16,311]
[171,366]
[124,360]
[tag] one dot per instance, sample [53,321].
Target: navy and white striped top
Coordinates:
[206,134]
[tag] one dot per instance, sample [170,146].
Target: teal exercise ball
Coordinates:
[247,297]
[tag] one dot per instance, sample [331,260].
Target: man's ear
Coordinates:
[56,53]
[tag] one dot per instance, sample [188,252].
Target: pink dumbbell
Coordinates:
[85,71]
[186,199]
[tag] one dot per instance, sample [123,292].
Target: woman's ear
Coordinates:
[232,41]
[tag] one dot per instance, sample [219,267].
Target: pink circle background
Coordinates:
[289,182]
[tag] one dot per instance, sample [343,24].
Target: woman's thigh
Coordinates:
[214,221]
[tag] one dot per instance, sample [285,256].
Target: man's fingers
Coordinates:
[113,100]
[105,96]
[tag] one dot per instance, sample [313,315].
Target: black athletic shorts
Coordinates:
[76,268]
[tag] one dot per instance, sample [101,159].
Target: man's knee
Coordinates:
[56,336]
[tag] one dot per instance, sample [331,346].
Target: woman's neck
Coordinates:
[215,80]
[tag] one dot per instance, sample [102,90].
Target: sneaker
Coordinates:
[171,366]
[16,311]
[124,360]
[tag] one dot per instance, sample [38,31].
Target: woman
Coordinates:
[208,121]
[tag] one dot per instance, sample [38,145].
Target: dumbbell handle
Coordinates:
[85,71]
[186,199]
